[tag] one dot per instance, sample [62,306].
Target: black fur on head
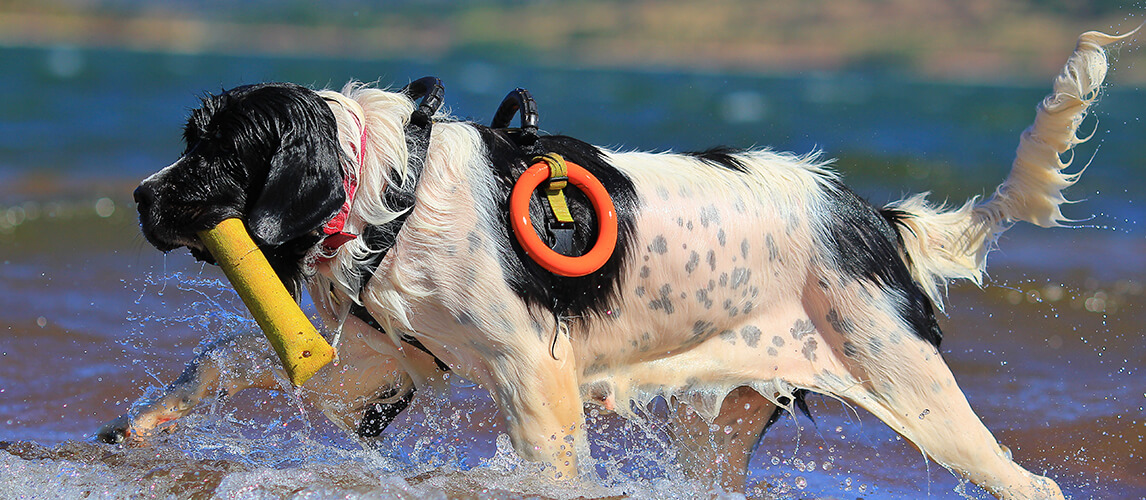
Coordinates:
[267,154]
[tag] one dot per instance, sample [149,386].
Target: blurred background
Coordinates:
[908,95]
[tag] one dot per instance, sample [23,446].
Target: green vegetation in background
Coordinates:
[981,40]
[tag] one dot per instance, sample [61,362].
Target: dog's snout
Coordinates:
[144,196]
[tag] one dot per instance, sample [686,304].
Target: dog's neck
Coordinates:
[398,197]
[372,129]
[335,235]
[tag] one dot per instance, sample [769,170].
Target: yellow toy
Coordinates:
[302,350]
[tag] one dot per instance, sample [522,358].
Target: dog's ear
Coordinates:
[303,188]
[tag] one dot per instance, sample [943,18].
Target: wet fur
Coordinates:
[742,279]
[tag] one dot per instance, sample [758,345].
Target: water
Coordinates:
[91,317]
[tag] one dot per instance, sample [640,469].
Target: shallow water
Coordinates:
[91,317]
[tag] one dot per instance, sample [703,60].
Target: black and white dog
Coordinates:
[740,281]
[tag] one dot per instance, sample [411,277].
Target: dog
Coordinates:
[740,281]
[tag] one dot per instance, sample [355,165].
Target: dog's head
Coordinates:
[267,154]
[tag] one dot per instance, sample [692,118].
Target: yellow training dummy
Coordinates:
[302,350]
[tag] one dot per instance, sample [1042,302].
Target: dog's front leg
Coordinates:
[248,362]
[539,396]
[721,450]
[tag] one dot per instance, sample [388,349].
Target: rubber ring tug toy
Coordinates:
[545,169]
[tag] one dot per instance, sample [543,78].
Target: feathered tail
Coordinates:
[943,244]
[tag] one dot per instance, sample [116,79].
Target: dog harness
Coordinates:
[557,174]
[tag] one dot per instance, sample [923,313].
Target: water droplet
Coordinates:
[801,482]
[926,411]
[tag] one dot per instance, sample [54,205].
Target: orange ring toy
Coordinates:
[536,249]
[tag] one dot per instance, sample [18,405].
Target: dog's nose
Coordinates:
[144,196]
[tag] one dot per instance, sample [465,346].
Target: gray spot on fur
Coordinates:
[702,327]
[665,301]
[640,291]
[474,240]
[702,298]
[875,346]
[645,271]
[709,215]
[751,335]
[659,245]
[744,248]
[850,349]
[689,225]
[839,324]
[809,350]
[740,276]
[466,318]
[663,193]
[711,259]
[773,352]
[793,222]
[748,306]
[595,368]
[801,328]
[728,336]
[693,261]
[773,252]
[720,237]
[778,341]
[646,342]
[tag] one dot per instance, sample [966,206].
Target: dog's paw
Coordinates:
[115,431]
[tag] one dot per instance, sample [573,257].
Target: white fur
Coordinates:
[949,244]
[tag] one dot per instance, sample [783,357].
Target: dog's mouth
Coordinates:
[169,227]
[202,255]
[171,242]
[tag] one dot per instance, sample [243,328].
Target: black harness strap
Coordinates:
[361,313]
[379,415]
[400,198]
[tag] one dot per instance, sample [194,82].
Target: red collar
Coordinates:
[335,236]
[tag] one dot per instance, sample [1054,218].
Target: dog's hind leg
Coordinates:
[920,400]
[878,362]
[721,450]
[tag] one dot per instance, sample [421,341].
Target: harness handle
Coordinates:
[432,93]
[518,100]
